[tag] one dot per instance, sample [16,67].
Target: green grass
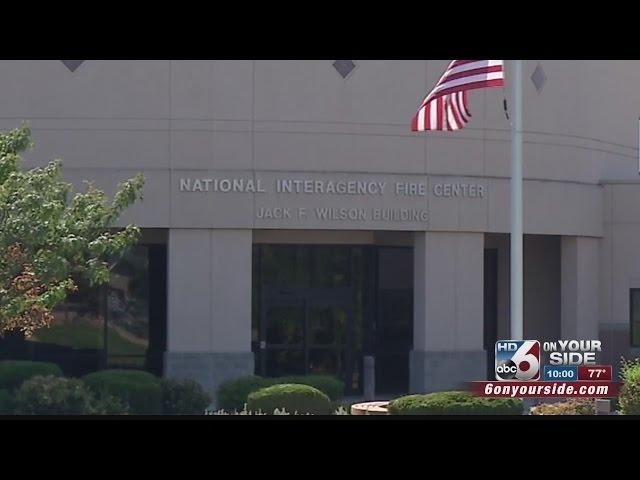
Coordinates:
[88,337]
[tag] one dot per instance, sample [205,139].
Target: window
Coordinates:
[635,316]
[114,326]
[127,325]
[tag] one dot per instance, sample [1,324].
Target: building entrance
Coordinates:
[319,309]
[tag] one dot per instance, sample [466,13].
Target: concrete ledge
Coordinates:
[210,369]
[370,408]
[447,370]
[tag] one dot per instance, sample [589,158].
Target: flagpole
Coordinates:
[517,324]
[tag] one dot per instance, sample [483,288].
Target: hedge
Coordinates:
[53,396]
[330,386]
[232,395]
[294,398]
[140,390]
[454,403]
[14,372]
[183,397]
[49,395]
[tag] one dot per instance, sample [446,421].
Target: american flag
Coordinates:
[446,107]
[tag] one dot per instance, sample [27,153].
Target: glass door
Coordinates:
[283,333]
[306,331]
[330,332]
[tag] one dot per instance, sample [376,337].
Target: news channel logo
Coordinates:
[520,360]
[517,360]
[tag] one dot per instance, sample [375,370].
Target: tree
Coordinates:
[51,237]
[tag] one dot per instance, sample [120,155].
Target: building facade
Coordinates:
[292,222]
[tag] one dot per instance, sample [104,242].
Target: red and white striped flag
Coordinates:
[446,107]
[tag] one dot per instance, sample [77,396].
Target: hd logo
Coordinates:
[517,360]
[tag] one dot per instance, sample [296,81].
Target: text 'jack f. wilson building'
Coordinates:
[292,222]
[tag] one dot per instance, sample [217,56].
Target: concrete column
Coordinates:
[580,287]
[448,311]
[209,305]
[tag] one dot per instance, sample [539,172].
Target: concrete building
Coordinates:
[293,223]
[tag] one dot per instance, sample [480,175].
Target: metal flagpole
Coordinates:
[517,325]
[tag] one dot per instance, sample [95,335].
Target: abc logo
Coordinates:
[507,370]
[517,360]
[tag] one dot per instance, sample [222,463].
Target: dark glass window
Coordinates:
[75,338]
[127,327]
[635,317]
[114,326]
[394,319]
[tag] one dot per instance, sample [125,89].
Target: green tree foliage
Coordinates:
[51,236]
[630,393]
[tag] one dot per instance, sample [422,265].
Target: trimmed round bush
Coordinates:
[49,395]
[14,372]
[293,398]
[629,398]
[7,402]
[139,390]
[232,395]
[183,397]
[454,403]
[330,386]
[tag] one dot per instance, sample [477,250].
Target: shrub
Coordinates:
[49,395]
[106,404]
[629,398]
[138,389]
[570,407]
[7,402]
[293,398]
[330,386]
[233,394]
[454,403]
[14,372]
[183,397]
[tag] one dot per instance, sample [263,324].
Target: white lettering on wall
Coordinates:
[468,190]
[411,189]
[346,214]
[330,187]
[352,205]
[223,185]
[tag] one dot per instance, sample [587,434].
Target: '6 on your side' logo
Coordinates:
[517,360]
